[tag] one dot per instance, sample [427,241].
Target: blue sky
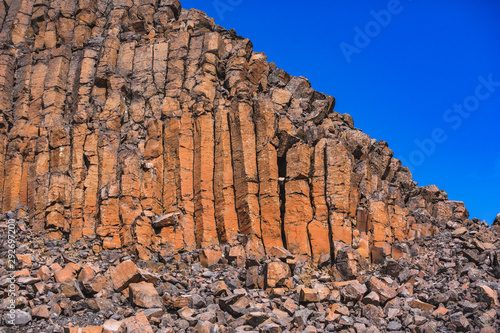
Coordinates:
[422,75]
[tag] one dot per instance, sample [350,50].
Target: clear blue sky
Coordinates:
[417,79]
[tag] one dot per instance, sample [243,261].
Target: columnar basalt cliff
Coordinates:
[151,128]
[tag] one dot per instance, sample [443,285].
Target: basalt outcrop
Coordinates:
[149,128]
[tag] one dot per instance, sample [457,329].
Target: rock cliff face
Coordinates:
[149,127]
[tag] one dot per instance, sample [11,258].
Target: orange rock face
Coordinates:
[110,120]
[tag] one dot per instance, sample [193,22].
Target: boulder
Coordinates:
[276,273]
[144,294]
[124,274]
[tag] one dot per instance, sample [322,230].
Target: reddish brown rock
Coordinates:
[280,253]
[86,273]
[67,273]
[137,324]
[24,260]
[384,291]
[308,295]
[489,295]
[298,210]
[210,257]
[350,263]
[124,274]
[44,273]
[41,311]
[147,127]
[277,273]
[415,303]
[144,294]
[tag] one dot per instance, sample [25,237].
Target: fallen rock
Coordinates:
[71,289]
[18,318]
[66,273]
[385,292]
[210,257]
[497,220]
[350,263]
[166,220]
[280,253]
[124,274]
[137,324]
[418,304]
[459,232]
[87,329]
[41,311]
[353,291]
[489,296]
[113,326]
[144,294]
[276,274]
[308,295]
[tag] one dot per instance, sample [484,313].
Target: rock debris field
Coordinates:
[158,175]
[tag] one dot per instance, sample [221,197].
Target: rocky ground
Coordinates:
[447,283]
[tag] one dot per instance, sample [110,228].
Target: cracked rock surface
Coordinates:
[164,177]
[149,127]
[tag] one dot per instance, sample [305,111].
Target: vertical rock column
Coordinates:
[80,162]
[11,159]
[153,165]
[204,140]
[338,184]
[21,21]
[186,139]
[173,235]
[133,134]
[150,148]
[6,86]
[380,226]
[87,110]
[56,123]
[319,231]
[243,145]
[83,100]
[267,159]
[298,209]
[110,119]
[178,146]
[225,210]
[25,128]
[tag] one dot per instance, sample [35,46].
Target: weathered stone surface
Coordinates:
[148,127]
[41,311]
[353,291]
[136,133]
[489,295]
[144,294]
[384,291]
[17,318]
[124,274]
[277,273]
[350,263]
[497,220]
[210,257]
[71,289]
[113,326]
[137,324]
[415,303]
[69,272]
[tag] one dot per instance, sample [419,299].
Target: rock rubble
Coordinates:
[448,283]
